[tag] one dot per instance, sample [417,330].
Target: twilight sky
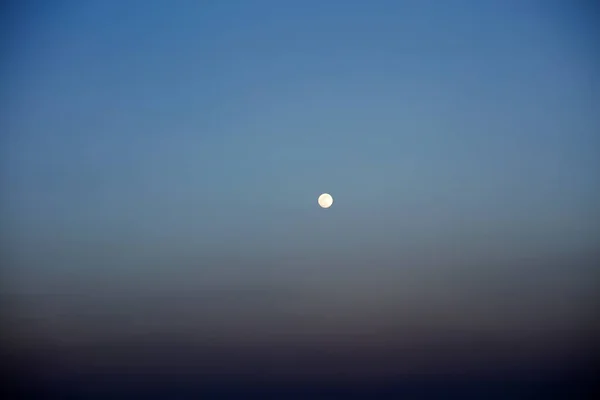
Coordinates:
[161,164]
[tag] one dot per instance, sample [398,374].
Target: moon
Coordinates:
[325,200]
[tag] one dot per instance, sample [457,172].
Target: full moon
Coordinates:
[325,200]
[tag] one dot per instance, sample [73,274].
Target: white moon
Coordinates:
[325,200]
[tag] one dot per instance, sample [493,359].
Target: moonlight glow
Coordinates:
[325,200]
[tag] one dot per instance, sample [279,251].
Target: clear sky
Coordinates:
[161,162]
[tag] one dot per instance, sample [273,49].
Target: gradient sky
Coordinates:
[163,160]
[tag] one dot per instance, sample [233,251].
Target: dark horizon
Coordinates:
[510,354]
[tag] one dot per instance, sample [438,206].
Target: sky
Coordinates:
[161,164]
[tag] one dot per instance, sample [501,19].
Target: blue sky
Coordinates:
[163,146]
